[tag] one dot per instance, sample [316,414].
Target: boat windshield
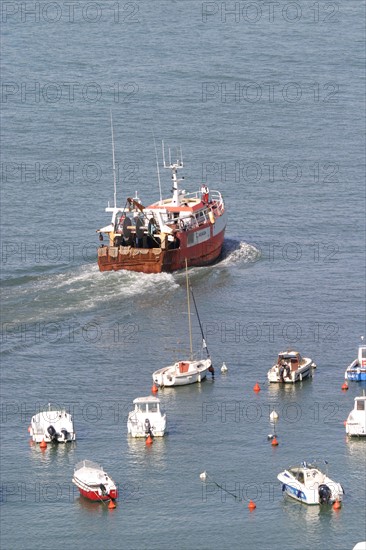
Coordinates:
[360,405]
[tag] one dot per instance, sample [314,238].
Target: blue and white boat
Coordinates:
[310,485]
[356,371]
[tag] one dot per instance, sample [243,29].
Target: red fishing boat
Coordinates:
[162,236]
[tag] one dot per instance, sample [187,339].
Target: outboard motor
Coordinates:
[64,434]
[52,433]
[324,494]
[147,427]
[103,489]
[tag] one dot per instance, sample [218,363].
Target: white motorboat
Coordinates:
[93,482]
[147,418]
[190,370]
[53,425]
[356,371]
[356,421]
[291,368]
[310,485]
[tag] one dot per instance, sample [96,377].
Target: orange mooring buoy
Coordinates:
[154,388]
[43,444]
[29,429]
[149,440]
[257,387]
[111,505]
[252,505]
[274,442]
[337,505]
[345,386]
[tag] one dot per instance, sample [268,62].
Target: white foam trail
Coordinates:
[236,252]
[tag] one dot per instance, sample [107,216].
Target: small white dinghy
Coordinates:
[93,482]
[291,368]
[52,426]
[356,421]
[310,485]
[147,418]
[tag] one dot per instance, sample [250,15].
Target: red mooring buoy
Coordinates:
[337,505]
[149,440]
[252,505]
[154,388]
[111,505]
[274,442]
[345,386]
[43,444]
[257,387]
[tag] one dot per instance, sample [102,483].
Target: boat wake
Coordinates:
[56,296]
[238,252]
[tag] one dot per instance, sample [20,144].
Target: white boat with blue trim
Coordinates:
[356,371]
[310,485]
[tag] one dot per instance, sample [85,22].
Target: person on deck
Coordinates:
[205,193]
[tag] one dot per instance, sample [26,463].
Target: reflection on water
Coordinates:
[55,453]
[93,507]
[143,454]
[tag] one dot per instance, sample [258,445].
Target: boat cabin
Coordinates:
[307,475]
[291,359]
[147,405]
[360,403]
[362,356]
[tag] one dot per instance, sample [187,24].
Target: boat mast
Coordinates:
[189,315]
[174,167]
[114,165]
[199,322]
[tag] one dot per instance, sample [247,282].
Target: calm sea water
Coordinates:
[267,103]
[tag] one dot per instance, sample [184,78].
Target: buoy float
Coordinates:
[337,505]
[43,444]
[154,388]
[257,387]
[274,442]
[224,368]
[273,416]
[203,476]
[149,440]
[345,386]
[252,505]
[111,505]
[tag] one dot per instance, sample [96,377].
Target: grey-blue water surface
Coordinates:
[267,102]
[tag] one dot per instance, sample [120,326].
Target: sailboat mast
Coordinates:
[189,315]
[199,322]
[114,165]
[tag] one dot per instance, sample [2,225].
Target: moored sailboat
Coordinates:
[190,370]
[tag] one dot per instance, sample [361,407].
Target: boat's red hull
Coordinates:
[156,260]
[93,495]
